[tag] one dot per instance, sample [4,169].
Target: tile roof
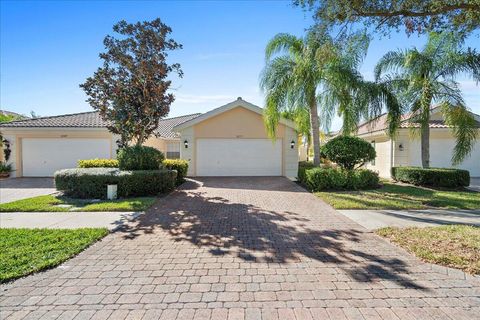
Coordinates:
[380,124]
[92,119]
[165,126]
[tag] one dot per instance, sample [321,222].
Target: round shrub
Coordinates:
[139,158]
[348,152]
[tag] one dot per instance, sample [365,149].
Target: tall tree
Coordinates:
[302,74]
[422,78]
[411,15]
[130,90]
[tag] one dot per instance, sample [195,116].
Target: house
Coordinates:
[228,141]
[405,150]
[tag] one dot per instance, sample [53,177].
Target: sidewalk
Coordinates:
[66,220]
[374,219]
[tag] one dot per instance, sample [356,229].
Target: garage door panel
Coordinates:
[239,157]
[42,157]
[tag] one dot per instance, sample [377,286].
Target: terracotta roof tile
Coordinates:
[92,120]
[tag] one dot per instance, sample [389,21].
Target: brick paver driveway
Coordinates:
[243,248]
[20,188]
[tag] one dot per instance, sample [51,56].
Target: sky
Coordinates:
[48,48]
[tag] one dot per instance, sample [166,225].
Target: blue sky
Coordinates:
[49,48]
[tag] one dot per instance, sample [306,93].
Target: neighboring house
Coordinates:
[227,141]
[405,150]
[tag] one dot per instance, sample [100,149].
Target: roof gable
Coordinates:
[229,106]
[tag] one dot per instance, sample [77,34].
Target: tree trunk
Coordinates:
[425,143]
[315,128]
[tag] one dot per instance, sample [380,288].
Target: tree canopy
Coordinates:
[130,90]
[413,16]
[316,74]
[424,78]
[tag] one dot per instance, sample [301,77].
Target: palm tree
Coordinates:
[304,73]
[425,78]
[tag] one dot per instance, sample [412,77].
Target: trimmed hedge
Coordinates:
[139,158]
[321,179]
[91,183]
[181,166]
[98,163]
[303,166]
[432,177]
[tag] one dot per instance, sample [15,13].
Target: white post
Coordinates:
[111,191]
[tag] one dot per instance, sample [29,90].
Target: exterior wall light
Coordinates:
[292,144]
[185,143]
[400,147]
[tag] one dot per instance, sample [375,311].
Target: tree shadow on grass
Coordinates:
[257,235]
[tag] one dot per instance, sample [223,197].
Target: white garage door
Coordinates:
[42,157]
[239,157]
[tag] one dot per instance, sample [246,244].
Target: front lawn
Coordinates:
[453,246]
[50,203]
[24,251]
[397,196]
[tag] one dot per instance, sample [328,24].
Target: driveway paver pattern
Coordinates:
[243,248]
[13,189]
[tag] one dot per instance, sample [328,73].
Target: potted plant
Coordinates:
[5,169]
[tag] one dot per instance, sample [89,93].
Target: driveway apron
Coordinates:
[243,248]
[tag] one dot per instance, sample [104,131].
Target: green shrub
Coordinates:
[302,167]
[91,183]
[433,177]
[321,179]
[177,164]
[5,167]
[348,152]
[98,163]
[139,158]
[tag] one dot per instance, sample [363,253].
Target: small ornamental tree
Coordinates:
[348,152]
[130,89]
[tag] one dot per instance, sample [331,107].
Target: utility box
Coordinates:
[111,191]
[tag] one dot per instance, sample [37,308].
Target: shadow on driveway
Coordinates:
[237,227]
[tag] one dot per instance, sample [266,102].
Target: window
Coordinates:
[373,144]
[173,150]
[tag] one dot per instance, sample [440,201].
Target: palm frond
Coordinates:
[283,42]
[392,61]
[464,129]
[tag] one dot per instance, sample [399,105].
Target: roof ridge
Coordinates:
[51,117]
[186,115]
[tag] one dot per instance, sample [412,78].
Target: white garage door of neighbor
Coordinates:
[239,157]
[42,157]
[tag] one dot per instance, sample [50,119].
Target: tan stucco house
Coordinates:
[228,141]
[405,150]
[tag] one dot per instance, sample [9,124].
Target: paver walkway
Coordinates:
[66,220]
[243,248]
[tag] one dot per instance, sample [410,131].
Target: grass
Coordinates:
[397,196]
[51,203]
[24,251]
[452,246]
